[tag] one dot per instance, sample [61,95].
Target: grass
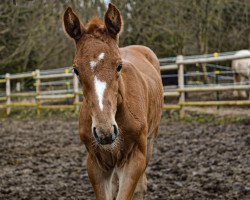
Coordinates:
[31,113]
[190,117]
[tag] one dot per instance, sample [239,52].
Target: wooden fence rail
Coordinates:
[180,63]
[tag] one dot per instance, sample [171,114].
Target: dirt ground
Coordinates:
[44,159]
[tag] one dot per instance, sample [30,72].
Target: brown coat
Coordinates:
[122,105]
[139,110]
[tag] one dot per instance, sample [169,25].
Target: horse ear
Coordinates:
[72,24]
[113,21]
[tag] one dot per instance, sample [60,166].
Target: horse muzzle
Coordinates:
[105,137]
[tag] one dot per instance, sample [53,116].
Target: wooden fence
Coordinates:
[37,94]
[180,63]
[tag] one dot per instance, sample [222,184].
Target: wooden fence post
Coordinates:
[76,92]
[8,92]
[181,84]
[38,90]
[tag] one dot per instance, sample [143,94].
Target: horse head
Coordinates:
[98,65]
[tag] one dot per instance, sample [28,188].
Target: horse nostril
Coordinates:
[115,130]
[103,140]
[95,133]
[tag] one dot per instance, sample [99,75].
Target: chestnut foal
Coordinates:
[122,105]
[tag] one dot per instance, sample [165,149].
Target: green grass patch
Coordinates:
[31,113]
[191,117]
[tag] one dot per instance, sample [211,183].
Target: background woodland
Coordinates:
[32,36]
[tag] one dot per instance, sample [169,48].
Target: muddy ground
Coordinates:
[44,159]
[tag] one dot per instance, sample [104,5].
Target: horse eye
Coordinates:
[119,67]
[76,71]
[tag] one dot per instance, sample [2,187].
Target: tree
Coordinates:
[32,36]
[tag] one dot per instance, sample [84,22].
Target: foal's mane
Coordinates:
[95,25]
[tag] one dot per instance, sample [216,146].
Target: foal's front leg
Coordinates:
[130,174]
[101,181]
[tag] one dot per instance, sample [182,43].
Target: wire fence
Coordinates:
[170,60]
[43,86]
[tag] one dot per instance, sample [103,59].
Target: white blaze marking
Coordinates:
[100,87]
[93,63]
[101,56]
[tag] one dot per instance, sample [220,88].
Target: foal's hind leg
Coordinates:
[141,188]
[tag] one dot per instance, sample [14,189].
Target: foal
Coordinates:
[122,105]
